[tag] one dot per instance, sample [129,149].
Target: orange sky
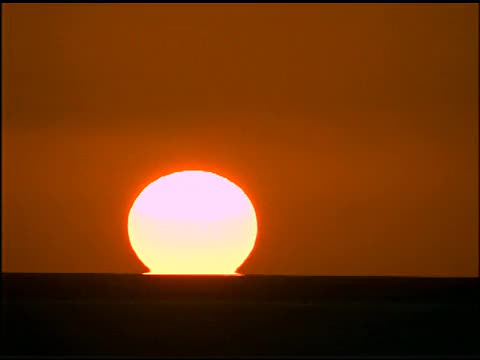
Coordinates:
[353,128]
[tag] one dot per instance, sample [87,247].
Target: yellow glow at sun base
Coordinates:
[192,222]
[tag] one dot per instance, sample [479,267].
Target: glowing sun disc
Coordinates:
[192,222]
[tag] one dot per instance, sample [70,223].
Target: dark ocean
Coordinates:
[105,315]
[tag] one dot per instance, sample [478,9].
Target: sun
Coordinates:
[192,222]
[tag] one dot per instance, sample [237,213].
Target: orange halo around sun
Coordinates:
[192,222]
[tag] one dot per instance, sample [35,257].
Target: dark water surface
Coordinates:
[162,316]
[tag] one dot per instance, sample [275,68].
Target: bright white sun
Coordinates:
[192,222]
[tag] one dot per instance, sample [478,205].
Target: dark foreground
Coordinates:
[151,316]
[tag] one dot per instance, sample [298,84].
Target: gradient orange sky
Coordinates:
[352,128]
